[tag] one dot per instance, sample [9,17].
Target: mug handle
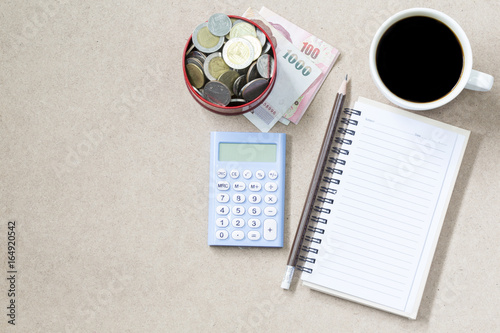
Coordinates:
[479,81]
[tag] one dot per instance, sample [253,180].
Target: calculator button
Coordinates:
[270,211]
[239,198]
[222,210]
[254,186]
[238,210]
[254,210]
[271,186]
[254,223]
[239,186]
[260,174]
[234,173]
[222,197]
[238,222]
[254,235]
[238,234]
[270,229]
[270,199]
[221,234]
[273,174]
[221,173]
[254,198]
[222,185]
[222,222]
[247,174]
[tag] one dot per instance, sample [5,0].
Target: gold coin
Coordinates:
[195,75]
[217,67]
[214,66]
[233,20]
[242,29]
[228,79]
[205,41]
[191,47]
[206,38]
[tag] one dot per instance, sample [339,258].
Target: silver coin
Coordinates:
[238,53]
[253,89]
[257,48]
[265,65]
[205,41]
[236,101]
[219,24]
[238,84]
[261,37]
[196,61]
[253,72]
[199,55]
[199,91]
[266,47]
[217,93]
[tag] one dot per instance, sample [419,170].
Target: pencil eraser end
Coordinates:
[287,280]
[285,285]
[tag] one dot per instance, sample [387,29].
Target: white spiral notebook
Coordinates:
[379,210]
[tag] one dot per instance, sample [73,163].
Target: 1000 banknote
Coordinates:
[295,74]
[319,52]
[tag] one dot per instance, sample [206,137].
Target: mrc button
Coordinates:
[222,186]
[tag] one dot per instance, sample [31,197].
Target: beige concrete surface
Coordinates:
[104,160]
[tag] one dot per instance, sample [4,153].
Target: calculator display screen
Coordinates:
[247,152]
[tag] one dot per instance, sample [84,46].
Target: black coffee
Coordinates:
[419,59]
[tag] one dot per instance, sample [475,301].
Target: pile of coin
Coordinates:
[228,62]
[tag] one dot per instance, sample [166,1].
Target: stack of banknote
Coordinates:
[303,63]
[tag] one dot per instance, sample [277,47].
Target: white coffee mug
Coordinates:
[469,78]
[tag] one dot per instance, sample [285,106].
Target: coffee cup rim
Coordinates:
[455,28]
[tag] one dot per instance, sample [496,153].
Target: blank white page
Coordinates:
[389,207]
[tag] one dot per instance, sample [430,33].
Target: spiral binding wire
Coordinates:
[325,200]
[315,220]
[333,170]
[331,180]
[336,160]
[351,112]
[312,239]
[328,190]
[340,151]
[316,230]
[318,219]
[307,259]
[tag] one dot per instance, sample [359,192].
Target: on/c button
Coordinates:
[270,229]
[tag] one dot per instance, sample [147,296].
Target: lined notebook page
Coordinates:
[388,210]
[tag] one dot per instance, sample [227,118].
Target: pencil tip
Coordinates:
[346,77]
[343,86]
